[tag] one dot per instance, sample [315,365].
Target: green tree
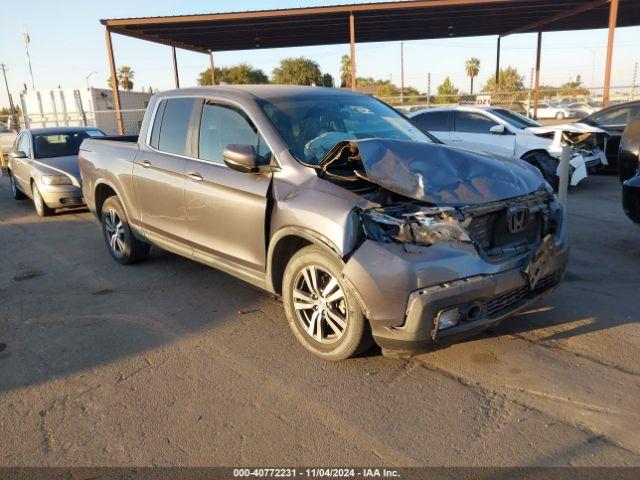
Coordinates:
[447,93]
[235,75]
[345,71]
[297,71]
[472,67]
[327,80]
[510,81]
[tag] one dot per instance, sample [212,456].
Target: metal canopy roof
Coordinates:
[374,22]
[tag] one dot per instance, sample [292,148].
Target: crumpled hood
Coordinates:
[68,165]
[443,175]
[576,127]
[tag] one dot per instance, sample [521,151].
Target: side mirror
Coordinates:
[497,130]
[17,154]
[242,158]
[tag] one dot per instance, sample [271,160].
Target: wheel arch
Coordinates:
[284,244]
[103,190]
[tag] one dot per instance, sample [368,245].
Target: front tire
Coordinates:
[15,190]
[322,311]
[547,165]
[42,209]
[123,246]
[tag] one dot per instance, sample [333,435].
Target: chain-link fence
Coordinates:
[573,103]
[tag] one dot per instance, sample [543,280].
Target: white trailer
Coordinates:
[83,107]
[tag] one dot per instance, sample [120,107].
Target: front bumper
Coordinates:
[403,288]
[61,196]
[497,297]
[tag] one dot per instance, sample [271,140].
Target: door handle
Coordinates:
[195,176]
[145,163]
[456,139]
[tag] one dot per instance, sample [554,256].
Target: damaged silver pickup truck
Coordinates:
[370,229]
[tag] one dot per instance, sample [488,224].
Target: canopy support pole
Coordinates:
[497,84]
[176,78]
[114,83]
[613,19]
[213,70]
[352,36]
[536,91]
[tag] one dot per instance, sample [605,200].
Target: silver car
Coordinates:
[43,165]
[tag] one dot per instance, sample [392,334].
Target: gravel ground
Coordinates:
[153,364]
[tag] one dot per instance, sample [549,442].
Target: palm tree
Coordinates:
[345,71]
[472,67]
[125,77]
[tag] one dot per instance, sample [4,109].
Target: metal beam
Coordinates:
[213,70]
[114,82]
[122,22]
[613,19]
[554,18]
[536,92]
[176,78]
[352,37]
[496,87]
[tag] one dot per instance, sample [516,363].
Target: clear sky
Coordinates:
[67,44]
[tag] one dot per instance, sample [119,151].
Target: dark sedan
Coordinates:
[614,120]
[629,168]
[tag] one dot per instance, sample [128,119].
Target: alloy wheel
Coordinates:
[115,232]
[14,189]
[37,200]
[319,304]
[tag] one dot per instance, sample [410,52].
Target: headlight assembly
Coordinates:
[56,180]
[421,226]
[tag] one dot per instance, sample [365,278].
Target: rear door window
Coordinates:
[174,130]
[432,121]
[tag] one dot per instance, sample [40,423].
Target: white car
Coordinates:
[6,138]
[557,111]
[505,132]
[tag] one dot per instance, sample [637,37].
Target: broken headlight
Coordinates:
[420,226]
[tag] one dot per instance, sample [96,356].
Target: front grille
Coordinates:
[71,201]
[491,233]
[501,304]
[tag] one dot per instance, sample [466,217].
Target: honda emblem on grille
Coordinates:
[517,219]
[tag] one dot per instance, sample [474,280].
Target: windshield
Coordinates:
[514,119]
[311,126]
[47,145]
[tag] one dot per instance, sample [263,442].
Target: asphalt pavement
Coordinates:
[154,365]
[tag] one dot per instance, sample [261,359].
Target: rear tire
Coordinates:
[42,209]
[122,244]
[15,190]
[322,311]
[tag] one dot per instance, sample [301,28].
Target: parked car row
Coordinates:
[505,132]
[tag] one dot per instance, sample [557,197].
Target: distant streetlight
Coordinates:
[87,78]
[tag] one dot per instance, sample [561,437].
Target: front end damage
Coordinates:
[588,145]
[451,241]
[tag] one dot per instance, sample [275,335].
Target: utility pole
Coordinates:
[428,89]
[27,41]
[401,73]
[6,84]
[635,79]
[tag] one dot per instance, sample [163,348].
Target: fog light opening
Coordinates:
[473,313]
[448,318]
